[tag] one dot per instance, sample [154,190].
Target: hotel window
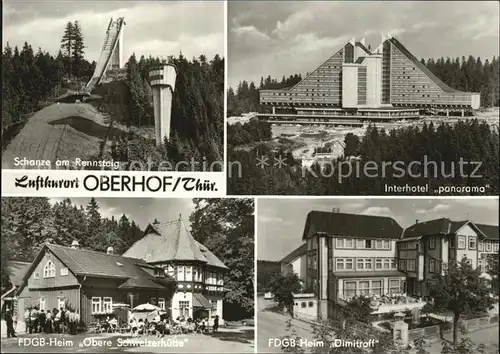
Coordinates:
[376,287]
[303,304]
[378,244]
[364,287]
[432,243]
[180,273]
[184,308]
[387,245]
[402,265]
[410,265]
[360,244]
[369,263]
[495,246]
[36,275]
[379,263]
[64,271]
[472,242]
[310,304]
[452,242]
[171,271]
[49,271]
[480,265]
[481,246]
[161,303]
[348,243]
[461,242]
[107,304]
[432,265]
[344,264]
[339,243]
[349,288]
[368,244]
[393,264]
[43,303]
[360,264]
[96,305]
[189,274]
[314,262]
[488,246]
[394,286]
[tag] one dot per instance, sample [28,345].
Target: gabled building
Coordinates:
[90,282]
[350,254]
[198,272]
[426,246]
[358,82]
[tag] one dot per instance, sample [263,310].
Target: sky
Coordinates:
[157,28]
[280,222]
[285,38]
[142,210]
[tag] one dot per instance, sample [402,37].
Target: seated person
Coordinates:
[140,326]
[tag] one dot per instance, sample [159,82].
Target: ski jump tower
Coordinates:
[111,53]
[162,79]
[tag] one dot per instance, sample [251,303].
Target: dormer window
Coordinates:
[49,271]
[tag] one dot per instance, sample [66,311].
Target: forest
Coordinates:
[32,81]
[440,148]
[225,226]
[466,74]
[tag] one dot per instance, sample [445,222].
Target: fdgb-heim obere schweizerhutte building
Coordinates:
[167,267]
[348,255]
[358,83]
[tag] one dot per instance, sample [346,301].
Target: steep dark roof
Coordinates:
[93,263]
[140,282]
[490,231]
[16,271]
[171,241]
[421,66]
[442,226]
[352,225]
[296,253]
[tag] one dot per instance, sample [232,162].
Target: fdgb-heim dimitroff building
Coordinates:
[360,83]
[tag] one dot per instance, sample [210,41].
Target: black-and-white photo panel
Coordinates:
[363,98]
[127,275]
[104,85]
[377,275]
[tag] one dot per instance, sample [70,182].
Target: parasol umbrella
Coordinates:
[147,307]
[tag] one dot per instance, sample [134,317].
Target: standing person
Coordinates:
[216,323]
[34,320]
[57,321]
[27,320]
[77,321]
[63,320]
[41,321]
[69,319]
[48,323]
[10,324]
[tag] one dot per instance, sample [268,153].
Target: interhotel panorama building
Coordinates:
[359,83]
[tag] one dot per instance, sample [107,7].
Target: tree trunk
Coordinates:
[455,328]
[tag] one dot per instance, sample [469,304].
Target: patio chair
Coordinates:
[176,329]
[93,327]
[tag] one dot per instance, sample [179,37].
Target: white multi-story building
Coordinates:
[198,272]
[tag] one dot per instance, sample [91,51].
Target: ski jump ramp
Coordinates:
[111,53]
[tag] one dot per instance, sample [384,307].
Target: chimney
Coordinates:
[336,210]
[110,250]
[75,245]
[156,222]
[417,221]
[369,47]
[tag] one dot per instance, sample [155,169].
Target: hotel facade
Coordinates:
[347,255]
[357,82]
